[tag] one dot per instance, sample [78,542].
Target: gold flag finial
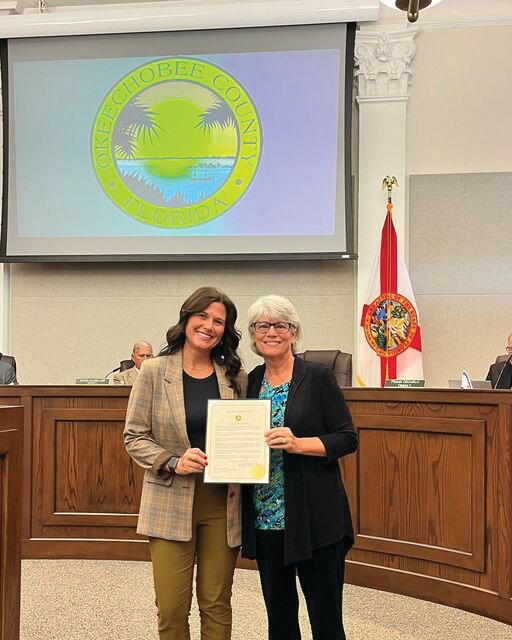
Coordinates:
[388,183]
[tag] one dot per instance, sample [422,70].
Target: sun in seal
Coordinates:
[390,324]
[176,142]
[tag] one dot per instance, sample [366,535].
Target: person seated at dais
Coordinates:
[142,350]
[500,373]
[7,373]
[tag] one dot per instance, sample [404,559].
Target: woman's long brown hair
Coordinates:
[225,352]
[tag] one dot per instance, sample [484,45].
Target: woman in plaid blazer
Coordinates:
[185,519]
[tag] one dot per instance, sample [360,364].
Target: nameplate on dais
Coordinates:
[404,384]
[92,381]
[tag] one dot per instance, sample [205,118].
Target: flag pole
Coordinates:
[388,182]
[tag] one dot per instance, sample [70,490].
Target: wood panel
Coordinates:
[431,493]
[84,488]
[421,488]
[88,480]
[11,443]
[430,488]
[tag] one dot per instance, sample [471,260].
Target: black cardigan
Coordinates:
[317,512]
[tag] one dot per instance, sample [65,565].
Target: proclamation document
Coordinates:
[235,445]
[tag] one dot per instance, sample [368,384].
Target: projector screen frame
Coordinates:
[184,15]
[349,253]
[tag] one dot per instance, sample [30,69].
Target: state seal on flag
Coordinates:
[390,324]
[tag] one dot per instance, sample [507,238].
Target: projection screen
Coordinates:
[216,144]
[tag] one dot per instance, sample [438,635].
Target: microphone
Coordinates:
[502,370]
[113,371]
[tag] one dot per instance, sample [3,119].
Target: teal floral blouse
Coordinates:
[269,498]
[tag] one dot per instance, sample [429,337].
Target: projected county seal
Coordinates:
[176,142]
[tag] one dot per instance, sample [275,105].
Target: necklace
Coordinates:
[187,366]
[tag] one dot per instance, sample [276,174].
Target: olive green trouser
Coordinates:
[173,568]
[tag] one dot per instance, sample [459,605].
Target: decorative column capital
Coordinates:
[383,64]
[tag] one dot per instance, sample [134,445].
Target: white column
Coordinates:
[382,76]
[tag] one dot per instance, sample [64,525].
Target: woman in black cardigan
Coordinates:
[300,523]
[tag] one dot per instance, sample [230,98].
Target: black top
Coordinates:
[197,392]
[317,512]
[506,377]
[500,375]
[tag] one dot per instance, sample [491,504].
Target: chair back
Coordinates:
[337,361]
[9,360]
[502,358]
[126,364]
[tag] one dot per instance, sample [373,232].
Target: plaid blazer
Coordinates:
[155,430]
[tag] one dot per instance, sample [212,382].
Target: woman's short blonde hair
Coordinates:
[277,308]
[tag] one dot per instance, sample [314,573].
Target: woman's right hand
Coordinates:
[192,461]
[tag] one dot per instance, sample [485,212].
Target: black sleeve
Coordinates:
[340,438]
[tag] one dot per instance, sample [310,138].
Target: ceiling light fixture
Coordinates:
[413,7]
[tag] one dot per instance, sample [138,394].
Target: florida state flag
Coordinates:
[389,335]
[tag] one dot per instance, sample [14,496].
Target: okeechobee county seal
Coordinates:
[390,324]
[176,142]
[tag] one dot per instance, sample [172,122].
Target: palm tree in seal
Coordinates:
[135,120]
[217,116]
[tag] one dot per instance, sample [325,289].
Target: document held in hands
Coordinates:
[235,445]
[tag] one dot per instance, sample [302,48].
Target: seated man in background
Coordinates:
[7,373]
[142,350]
[500,373]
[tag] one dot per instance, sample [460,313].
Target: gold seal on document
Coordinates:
[257,472]
[238,417]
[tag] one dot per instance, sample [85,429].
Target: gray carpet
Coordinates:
[97,600]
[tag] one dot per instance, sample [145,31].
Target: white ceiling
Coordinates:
[447,11]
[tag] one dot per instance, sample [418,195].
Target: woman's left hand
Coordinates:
[282,438]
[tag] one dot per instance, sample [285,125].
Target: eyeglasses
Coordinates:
[507,349]
[280,327]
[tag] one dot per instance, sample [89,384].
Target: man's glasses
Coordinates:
[280,327]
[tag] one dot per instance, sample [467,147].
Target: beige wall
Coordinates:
[460,266]
[459,113]
[459,121]
[79,320]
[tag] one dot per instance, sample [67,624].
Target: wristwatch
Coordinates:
[172,464]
